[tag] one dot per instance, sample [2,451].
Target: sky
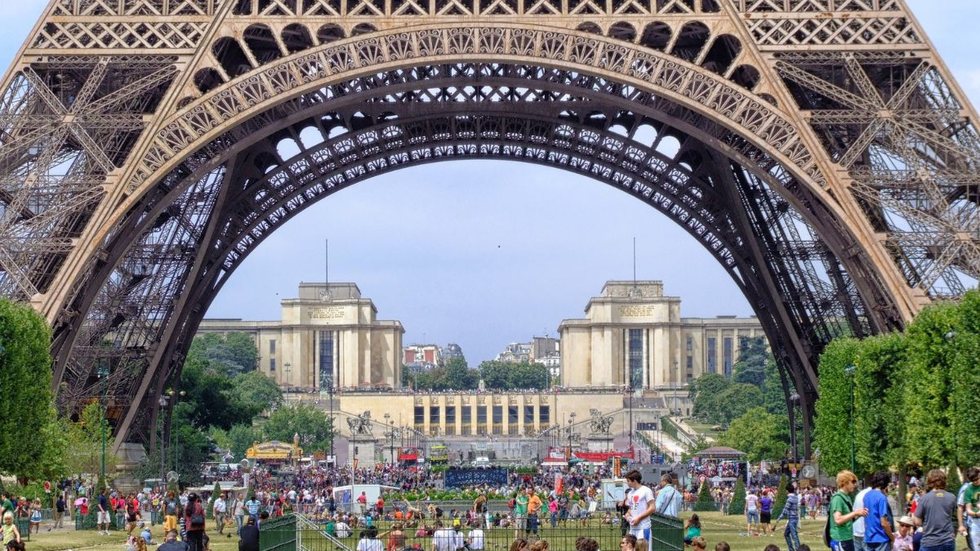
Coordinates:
[485,253]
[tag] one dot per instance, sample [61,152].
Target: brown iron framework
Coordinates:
[819,149]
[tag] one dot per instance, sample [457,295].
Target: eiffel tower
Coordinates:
[827,158]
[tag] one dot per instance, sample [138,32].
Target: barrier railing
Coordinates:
[299,533]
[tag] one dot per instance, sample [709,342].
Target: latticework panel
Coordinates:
[829,160]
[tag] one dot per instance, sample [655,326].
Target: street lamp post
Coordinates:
[176,396]
[793,400]
[287,366]
[631,416]
[103,374]
[164,400]
[391,437]
[333,426]
[571,421]
[850,370]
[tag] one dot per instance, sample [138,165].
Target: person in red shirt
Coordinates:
[379,507]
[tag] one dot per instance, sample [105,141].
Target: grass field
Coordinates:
[715,528]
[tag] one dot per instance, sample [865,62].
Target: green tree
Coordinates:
[458,375]
[257,391]
[495,375]
[704,389]
[232,353]
[84,442]
[241,438]
[780,500]
[705,500]
[312,426]
[772,391]
[927,398]
[737,506]
[758,433]
[833,424]
[26,415]
[965,399]
[735,400]
[879,411]
[751,365]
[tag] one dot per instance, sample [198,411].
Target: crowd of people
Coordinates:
[523,507]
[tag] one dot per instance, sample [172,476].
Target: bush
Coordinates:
[705,501]
[737,506]
[781,494]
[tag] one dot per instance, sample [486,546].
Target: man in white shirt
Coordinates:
[641,505]
[220,509]
[444,539]
[475,538]
[858,526]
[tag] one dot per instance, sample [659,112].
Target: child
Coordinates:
[692,529]
[698,544]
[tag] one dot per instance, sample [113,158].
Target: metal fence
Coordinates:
[297,533]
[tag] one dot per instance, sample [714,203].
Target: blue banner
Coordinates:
[458,478]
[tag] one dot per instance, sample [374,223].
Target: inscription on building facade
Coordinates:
[330,313]
[635,311]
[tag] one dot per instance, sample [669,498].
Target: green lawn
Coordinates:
[716,527]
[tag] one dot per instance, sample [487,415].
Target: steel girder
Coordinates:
[836,129]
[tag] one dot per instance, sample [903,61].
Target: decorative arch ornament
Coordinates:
[140,165]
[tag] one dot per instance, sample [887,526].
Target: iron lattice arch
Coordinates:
[819,149]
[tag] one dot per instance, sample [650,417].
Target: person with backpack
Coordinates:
[839,533]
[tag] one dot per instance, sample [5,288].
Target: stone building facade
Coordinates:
[634,336]
[329,333]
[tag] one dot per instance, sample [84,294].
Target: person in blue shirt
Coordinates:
[791,512]
[878,534]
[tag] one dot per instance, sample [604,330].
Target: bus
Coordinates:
[438,453]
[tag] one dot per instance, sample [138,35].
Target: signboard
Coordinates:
[456,478]
[613,491]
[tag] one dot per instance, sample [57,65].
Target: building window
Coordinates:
[434,415]
[326,360]
[690,344]
[727,356]
[498,414]
[690,364]
[712,355]
[450,416]
[544,415]
[272,346]
[419,415]
[467,415]
[528,415]
[272,365]
[512,415]
[636,358]
[481,415]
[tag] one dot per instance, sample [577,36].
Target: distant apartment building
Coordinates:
[421,356]
[634,336]
[540,350]
[328,335]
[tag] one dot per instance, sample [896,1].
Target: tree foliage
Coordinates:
[915,394]
[514,376]
[737,506]
[705,502]
[751,365]
[717,400]
[781,494]
[312,426]
[232,353]
[758,433]
[26,417]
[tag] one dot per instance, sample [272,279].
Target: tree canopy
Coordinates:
[312,426]
[27,417]
[915,393]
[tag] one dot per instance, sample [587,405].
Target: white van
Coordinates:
[482,462]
